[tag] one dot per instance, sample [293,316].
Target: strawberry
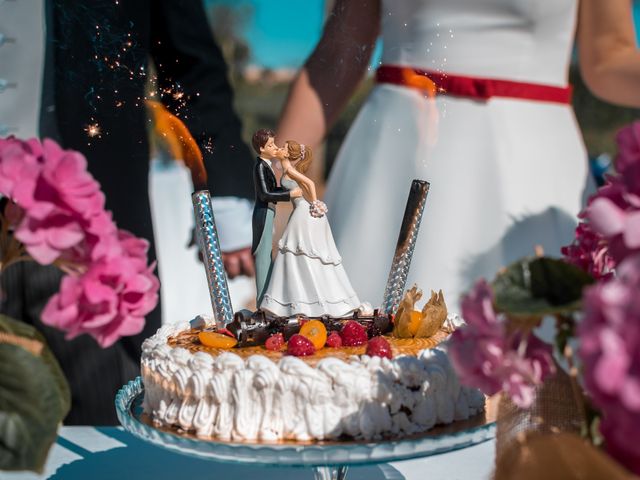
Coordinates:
[300,346]
[353,334]
[379,347]
[224,331]
[334,340]
[274,342]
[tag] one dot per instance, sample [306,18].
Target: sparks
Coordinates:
[93,130]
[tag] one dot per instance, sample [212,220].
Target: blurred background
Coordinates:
[266,41]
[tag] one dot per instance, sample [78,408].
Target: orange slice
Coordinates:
[216,340]
[315,331]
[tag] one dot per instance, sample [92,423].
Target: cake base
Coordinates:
[252,394]
[441,439]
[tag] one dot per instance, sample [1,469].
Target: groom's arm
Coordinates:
[266,194]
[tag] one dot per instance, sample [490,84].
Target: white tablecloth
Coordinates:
[108,453]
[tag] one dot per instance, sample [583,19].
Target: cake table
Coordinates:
[330,460]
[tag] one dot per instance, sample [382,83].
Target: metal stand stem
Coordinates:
[331,473]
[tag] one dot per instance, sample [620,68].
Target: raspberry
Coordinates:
[274,342]
[353,334]
[300,346]
[334,340]
[379,347]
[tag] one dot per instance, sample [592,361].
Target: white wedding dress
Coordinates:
[308,276]
[506,174]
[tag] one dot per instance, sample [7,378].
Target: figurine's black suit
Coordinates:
[267,194]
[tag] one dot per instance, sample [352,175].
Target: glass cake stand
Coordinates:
[330,460]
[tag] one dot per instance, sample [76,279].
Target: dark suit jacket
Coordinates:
[98,59]
[267,191]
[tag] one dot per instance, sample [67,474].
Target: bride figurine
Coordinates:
[308,277]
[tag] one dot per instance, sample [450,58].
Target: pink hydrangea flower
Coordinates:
[610,351]
[19,169]
[59,215]
[55,191]
[107,302]
[487,357]
[47,239]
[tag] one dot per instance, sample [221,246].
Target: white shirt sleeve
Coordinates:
[233,222]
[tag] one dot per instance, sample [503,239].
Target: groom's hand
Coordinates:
[296,192]
[236,263]
[239,262]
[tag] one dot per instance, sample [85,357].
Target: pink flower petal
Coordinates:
[65,237]
[631,233]
[606,217]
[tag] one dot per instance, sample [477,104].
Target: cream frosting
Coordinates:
[368,398]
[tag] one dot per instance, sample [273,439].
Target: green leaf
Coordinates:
[25,330]
[34,398]
[539,286]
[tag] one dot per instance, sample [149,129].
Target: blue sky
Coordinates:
[282,33]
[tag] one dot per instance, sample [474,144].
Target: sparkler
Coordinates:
[406,244]
[93,130]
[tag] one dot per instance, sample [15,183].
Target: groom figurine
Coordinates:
[268,193]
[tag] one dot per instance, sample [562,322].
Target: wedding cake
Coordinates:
[311,363]
[352,387]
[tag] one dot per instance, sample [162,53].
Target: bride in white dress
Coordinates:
[507,172]
[308,276]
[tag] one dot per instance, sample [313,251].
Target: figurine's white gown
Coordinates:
[506,174]
[308,276]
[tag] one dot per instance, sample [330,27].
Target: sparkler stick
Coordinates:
[406,244]
[209,244]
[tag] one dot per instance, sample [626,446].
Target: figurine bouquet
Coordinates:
[585,403]
[52,211]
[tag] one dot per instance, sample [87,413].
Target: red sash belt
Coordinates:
[471,87]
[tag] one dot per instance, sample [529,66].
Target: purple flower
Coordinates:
[627,161]
[610,351]
[612,228]
[590,252]
[487,357]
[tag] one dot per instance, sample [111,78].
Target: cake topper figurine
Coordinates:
[268,193]
[307,276]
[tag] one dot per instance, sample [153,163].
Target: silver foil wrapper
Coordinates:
[397,280]
[207,236]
